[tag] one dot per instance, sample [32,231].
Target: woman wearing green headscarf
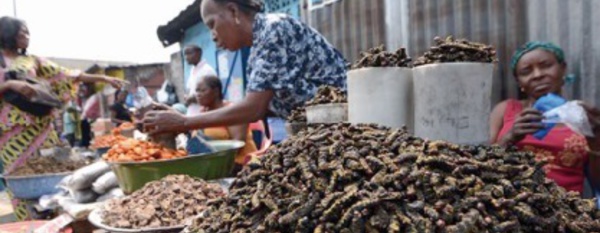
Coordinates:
[540,69]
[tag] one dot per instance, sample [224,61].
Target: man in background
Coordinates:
[199,70]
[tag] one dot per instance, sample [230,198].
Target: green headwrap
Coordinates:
[533,45]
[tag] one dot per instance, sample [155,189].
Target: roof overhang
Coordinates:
[173,31]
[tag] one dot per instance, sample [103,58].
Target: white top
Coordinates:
[197,73]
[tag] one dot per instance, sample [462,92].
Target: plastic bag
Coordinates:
[64,183]
[141,98]
[40,104]
[48,202]
[85,176]
[105,182]
[113,193]
[544,104]
[78,211]
[162,95]
[572,115]
[83,196]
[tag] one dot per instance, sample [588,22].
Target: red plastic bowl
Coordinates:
[20,226]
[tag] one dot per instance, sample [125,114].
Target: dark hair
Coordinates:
[214,83]
[246,6]
[9,30]
[195,48]
[117,93]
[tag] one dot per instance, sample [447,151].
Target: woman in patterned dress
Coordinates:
[288,61]
[540,68]
[22,134]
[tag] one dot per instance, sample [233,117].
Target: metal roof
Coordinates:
[84,64]
[172,32]
[96,67]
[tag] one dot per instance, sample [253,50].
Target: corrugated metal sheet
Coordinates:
[351,25]
[355,25]
[500,23]
[506,24]
[574,25]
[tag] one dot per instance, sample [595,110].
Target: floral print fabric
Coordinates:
[292,60]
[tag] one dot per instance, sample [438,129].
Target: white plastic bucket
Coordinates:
[381,95]
[327,113]
[453,101]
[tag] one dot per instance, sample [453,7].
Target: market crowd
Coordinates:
[288,62]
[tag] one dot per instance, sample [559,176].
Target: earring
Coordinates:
[569,79]
[237,21]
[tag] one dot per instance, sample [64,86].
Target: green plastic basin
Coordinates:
[134,175]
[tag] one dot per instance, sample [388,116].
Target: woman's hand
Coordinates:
[528,121]
[21,87]
[161,107]
[114,82]
[157,122]
[593,115]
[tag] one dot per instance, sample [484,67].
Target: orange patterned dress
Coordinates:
[565,150]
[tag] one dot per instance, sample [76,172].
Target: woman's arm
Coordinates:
[90,78]
[4,87]
[94,78]
[526,122]
[23,88]
[251,109]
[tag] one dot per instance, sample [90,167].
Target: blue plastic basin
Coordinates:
[34,186]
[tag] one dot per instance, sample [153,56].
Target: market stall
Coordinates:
[343,169]
[156,182]
[68,185]
[342,177]
[367,178]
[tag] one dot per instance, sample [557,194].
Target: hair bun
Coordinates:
[258,5]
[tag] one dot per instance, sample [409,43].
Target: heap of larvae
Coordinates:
[328,95]
[378,57]
[38,165]
[297,115]
[170,201]
[364,178]
[460,50]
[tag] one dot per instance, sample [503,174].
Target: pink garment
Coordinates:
[91,108]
